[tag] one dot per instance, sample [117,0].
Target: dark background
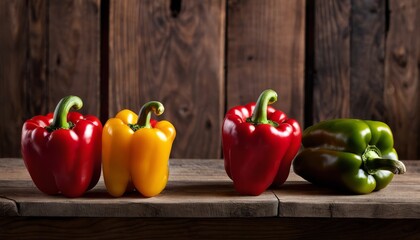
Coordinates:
[326,59]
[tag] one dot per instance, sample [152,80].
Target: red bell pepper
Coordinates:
[62,152]
[259,144]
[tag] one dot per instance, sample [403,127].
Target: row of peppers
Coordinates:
[63,151]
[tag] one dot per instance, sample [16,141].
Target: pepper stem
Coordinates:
[62,109]
[146,113]
[259,115]
[373,161]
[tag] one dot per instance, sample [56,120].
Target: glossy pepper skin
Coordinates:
[62,151]
[136,151]
[352,155]
[259,144]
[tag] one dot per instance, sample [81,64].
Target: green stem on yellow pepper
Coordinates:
[146,113]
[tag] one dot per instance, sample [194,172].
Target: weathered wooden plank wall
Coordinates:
[173,52]
[326,59]
[402,76]
[13,47]
[48,49]
[367,65]
[73,52]
[266,49]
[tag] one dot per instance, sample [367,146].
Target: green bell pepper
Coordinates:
[352,155]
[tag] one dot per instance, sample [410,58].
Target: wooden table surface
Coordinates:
[200,189]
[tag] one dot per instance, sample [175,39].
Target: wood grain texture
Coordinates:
[51,49]
[265,49]
[305,211]
[8,207]
[200,188]
[402,77]
[13,50]
[176,58]
[175,228]
[35,88]
[367,59]
[331,84]
[306,200]
[398,200]
[196,188]
[73,67]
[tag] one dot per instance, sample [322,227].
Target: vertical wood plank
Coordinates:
[266,50]
[13,50]
[74,27]
[367,59]
[331,93]
[171,51]
[417,156]
[124,50]
[36,81]
[402,76]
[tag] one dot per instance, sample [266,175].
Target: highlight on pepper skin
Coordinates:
[62,151]
[136,150]
[350,155]
[259,144]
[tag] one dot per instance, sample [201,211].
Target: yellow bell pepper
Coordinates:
[135,152]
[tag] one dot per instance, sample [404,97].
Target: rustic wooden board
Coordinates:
[399,200]
[203,228]
[8,207]
[73,68]
[195,189]
[172,53]
[402,85]
[265,49]
[306,200]
[13,49]
[200,188]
